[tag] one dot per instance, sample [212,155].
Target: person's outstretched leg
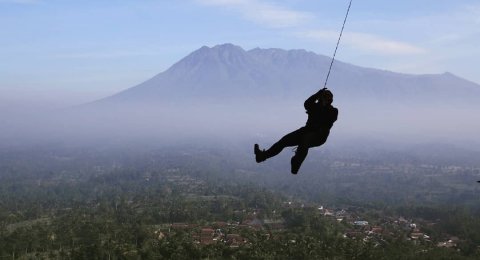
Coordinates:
[308,140]
[291,139]
[298,158]
[259,154]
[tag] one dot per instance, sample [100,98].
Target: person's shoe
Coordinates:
[296,163]
[259,154]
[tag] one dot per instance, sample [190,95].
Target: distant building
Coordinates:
[447,244]
[235,240]
[353,234]
[416,235]
[206,236]
[377,230]
[160,235]
[452,242]
[179,226]
[360,223]
[328,213]
[402,220]
[275,224]
[220,224]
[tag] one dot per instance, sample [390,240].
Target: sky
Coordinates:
[61,53]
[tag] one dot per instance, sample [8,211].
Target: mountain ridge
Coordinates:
[229,71]
[227,91]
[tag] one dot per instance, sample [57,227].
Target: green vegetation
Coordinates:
[90,204]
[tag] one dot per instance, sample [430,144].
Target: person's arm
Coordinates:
[310,102]
[335,113]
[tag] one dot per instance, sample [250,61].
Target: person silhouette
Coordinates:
[321,116]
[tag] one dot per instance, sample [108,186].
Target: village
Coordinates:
[376,231]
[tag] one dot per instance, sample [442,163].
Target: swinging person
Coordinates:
[321,116]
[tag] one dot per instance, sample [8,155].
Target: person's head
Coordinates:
[326,96]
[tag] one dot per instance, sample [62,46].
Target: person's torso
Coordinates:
[321,117]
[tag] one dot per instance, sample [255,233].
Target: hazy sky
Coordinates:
[66,52]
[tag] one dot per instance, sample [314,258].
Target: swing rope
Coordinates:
[338,43]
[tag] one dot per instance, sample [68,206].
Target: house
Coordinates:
[454,239]
[160,235]
[402,220]
[179,226]
[206,236]
[275,224]
[353,234]
[235,240]
[416,235]
[328,213]
[340,213]
[220,224]
[447,244]
[377,230]
[360,223]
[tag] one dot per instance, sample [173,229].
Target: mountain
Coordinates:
[229,72]
[228,91]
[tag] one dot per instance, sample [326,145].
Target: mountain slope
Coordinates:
[228,71]
[225,91]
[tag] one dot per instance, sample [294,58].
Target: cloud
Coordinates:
[275,16]
[263,13]
[378,44]
[364,42]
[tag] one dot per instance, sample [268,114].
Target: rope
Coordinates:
[338,42]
